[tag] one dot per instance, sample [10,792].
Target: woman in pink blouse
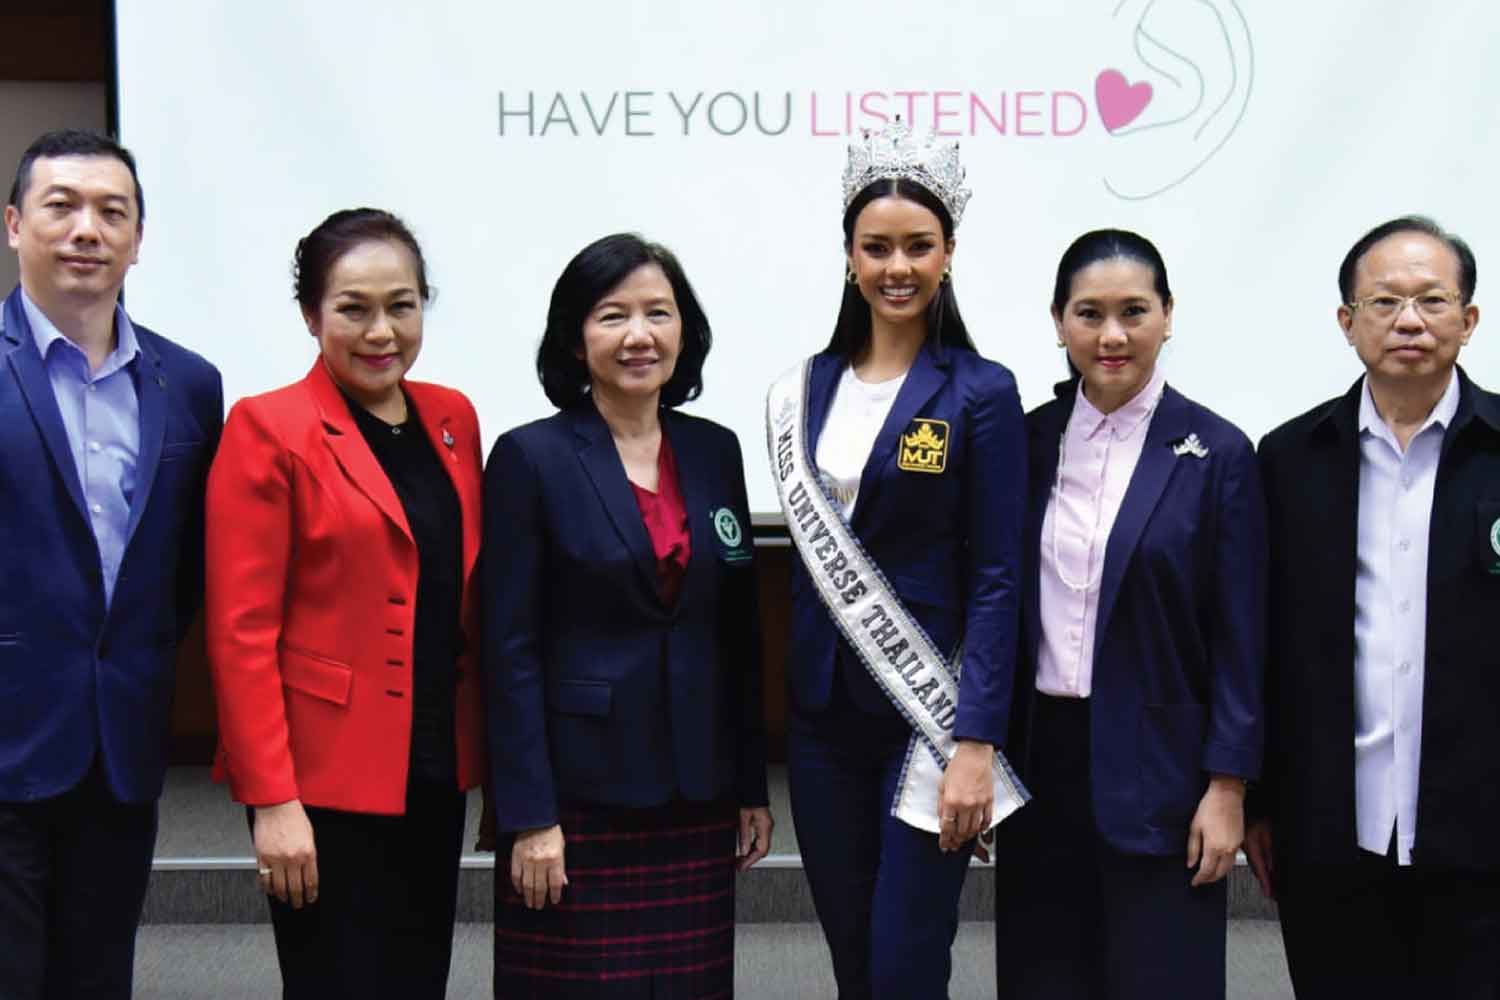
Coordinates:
[1137,717]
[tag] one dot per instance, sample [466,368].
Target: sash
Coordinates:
[919,681]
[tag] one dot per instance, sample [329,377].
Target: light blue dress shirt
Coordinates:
[101,413]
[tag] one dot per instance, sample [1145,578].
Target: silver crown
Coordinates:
[892,153]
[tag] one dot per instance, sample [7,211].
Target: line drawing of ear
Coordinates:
[1195,67]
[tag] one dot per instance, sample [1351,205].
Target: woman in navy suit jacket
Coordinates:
[622,649]
[943,529]
[1138,707]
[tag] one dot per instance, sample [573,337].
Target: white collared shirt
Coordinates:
[1099,455]
[1390,619]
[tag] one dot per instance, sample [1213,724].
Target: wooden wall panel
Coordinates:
[57,41]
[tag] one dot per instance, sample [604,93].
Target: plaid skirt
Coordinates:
[648,911]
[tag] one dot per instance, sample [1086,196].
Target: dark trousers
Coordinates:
[886,896]
[1076,920]
[1374,930]
[387,895]
[73,873]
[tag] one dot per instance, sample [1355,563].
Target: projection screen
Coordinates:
[1254,142]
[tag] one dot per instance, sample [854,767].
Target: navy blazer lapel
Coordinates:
[36,387]
[1169,423]
[926,376]
[151,394]
[694,499]
[822,382]
[601,461]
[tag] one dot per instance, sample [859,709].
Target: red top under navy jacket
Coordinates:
[666,522]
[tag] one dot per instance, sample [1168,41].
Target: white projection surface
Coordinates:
[1252,141]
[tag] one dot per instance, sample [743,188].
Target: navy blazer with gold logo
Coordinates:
[939,511]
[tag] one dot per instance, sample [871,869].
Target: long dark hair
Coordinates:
[851,333]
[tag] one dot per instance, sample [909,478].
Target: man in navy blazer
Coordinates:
[106,431]
[1381,800]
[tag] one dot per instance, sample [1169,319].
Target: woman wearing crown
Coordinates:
[1137,715]
[899,454]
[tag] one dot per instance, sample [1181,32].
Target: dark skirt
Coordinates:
[648,911]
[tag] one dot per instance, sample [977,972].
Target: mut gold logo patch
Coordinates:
[924,446]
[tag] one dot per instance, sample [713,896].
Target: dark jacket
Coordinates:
[77,680]
[1311,470]
[948,539]
[597,691]
[1179,647]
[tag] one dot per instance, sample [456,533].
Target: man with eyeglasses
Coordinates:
[1376,823]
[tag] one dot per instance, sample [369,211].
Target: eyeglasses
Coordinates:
[1435,303]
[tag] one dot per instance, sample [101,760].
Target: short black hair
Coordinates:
[589,276]
[853,328]
[1468,269]
[73,142]
[335,236]
[1108,244]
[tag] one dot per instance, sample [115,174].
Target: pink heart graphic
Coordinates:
[1120,102]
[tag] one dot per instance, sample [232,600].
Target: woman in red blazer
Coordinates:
[343,528]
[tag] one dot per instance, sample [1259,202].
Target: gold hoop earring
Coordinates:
[851,277]
[947,275]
